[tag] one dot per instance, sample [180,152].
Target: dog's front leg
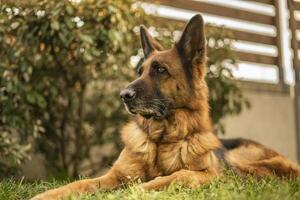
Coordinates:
[110,180]
[126,168]
[186,177]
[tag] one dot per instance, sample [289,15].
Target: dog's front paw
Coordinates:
[41,197]
[55,194]
[45,197]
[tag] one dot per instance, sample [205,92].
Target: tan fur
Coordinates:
[179,148]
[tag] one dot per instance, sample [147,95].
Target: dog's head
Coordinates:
[167,78]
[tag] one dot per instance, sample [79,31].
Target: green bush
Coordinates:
[62,66]
[50,52]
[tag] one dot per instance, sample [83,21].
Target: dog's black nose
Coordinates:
[127,95]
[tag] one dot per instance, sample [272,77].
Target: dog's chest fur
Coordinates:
[170,157]
[191,153]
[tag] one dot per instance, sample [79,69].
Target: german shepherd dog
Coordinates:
[170,138]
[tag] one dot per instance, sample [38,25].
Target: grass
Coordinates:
[226,188]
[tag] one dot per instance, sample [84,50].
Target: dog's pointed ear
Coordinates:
[191,45]
[149,44]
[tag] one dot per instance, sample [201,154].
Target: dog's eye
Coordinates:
[158,68]
[161,69]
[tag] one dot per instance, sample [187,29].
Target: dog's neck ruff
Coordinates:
[178,126]
[182,125]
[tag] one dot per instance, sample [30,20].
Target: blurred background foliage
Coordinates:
[62,66]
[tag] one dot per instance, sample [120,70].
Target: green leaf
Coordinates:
[41,101]
[69,23]
[63,38]
[96,52]
[55,25]
[70,9]
[86,38]
[30,97]
[87,56]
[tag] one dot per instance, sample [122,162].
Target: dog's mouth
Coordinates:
[148,110]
